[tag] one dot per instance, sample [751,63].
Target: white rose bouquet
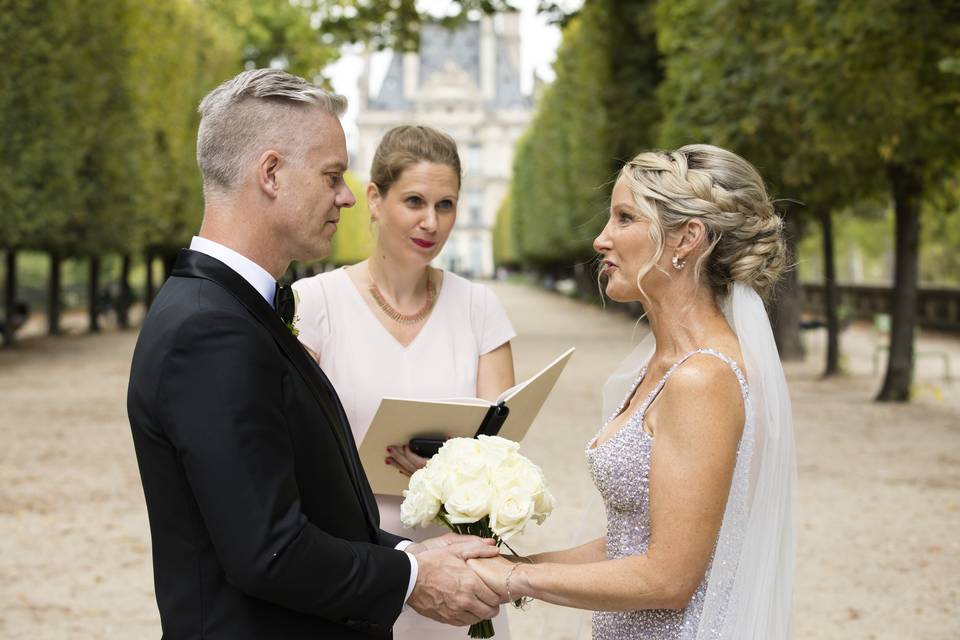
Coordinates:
[479,486]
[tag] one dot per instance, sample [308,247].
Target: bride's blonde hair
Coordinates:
[727,194]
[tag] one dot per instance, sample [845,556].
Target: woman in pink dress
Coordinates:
[392,325]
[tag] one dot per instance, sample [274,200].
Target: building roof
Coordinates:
[439,47]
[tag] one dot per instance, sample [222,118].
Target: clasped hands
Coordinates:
[461,580]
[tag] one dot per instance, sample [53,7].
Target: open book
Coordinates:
[399,420]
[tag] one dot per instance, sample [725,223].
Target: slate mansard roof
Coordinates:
[438,46]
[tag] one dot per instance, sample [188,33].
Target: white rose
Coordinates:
[433,482]
[519,473]
[510,512]
[455,449]
[477,466]
[430,478]
[543,506]
[462,460]
[419,507]
[498,443]
[469,501]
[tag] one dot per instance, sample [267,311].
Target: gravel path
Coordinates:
[879,484]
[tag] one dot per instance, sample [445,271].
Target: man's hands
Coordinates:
[446,589]
[453,540]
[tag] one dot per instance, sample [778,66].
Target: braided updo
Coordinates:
[727,194]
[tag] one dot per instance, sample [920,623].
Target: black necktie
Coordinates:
[284,303]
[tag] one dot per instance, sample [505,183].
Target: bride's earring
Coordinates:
[678,264]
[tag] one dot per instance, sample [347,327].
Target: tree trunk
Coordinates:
[906,183]
[125,295]
[830,294]
[10,298]
[787,300]
[151,287]
[93,294]
[54,293]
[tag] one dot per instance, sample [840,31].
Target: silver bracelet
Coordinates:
[523,601]
[510,575]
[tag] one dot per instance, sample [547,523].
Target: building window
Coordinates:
[474,158]
[476,256]
[475,207]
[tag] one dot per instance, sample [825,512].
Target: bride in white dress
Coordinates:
[696,464]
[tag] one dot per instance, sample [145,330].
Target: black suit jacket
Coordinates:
[263,523]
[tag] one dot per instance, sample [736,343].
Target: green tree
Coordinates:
[600,111]
[44,149]
[354,240]
[893,97]
[563,158]
[718,91]
[181,51]
[396,24]
[636,70]
[939,259]
[277,33]
[504,250]
[174,76]
[743,76]
[114,143]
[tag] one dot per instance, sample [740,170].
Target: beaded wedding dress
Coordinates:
[620,467]
[746,592]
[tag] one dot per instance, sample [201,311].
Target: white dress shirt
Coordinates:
[257,276]
[266,286]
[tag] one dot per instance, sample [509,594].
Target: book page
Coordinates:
[398,420]
[525,403]
[560,362]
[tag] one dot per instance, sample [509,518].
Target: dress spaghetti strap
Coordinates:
[744,390]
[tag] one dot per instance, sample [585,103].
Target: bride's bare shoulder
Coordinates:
[704,389]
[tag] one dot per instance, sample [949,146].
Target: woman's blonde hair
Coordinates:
[405,146]
[724,192]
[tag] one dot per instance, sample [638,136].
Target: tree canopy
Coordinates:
[599,112]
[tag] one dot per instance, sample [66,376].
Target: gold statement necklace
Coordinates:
[401,318]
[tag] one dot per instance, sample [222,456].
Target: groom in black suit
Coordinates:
[263,524]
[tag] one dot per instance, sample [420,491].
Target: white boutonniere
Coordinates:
[292,325]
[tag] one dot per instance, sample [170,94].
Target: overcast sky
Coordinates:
[538,44]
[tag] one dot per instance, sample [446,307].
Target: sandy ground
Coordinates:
[878,553]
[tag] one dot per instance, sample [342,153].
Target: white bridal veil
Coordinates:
[750,582]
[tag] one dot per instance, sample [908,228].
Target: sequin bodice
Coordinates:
[620,466]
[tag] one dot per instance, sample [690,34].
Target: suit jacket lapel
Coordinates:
[193,264]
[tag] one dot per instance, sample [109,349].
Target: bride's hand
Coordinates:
[405,460]
[494,572]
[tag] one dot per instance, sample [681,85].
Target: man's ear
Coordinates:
[268,166]
[373,201]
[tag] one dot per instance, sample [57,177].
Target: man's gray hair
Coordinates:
[253,112]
